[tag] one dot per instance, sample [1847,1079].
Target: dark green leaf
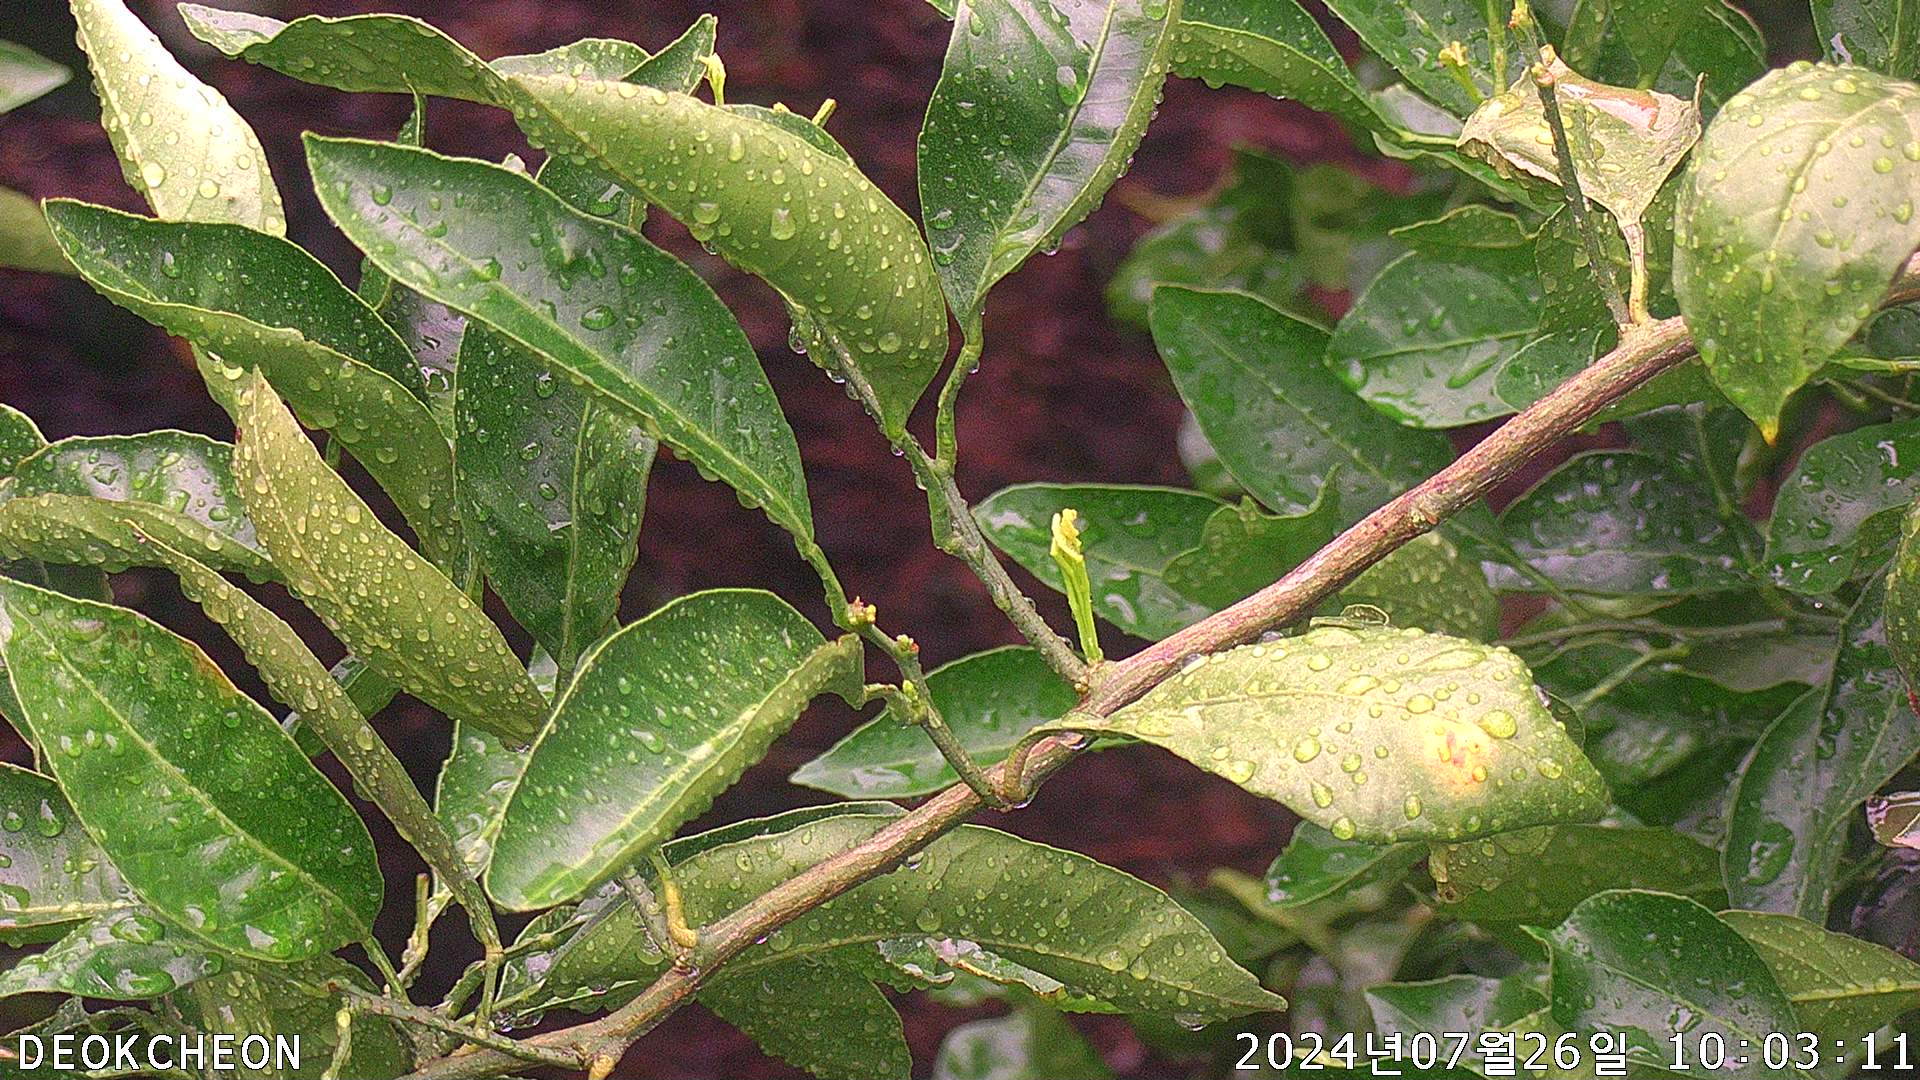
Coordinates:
[256,1000]
[1623,523]
[1805,781]
[1459,1003]
[25,75]
[1645,965]
[1667,45]
[186,783]
[1376,734]
[1275,47]
[1879,34]
[1038,109]
[1410,35]
[1777,264]
[1316,864]
[1485,884]
[594,300]
[392,608]
[1130,533]
[126,955]
[1241,549]
[1841,987]
[1838,514]
[180,143]
[1033,1042]
[1284,425]
[819,1017]
[51,875]
[989,699]
[662,717]
[1428,583]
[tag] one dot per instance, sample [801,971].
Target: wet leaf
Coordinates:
[26,75]
[19,437]
[1837,516]
[1038,110]
[1375,734]
[989,699]
[1645,965]
[180,144]
[662,717]
[248,999]
[1871,33]
[553,483]
[1317,864]
[88,500]
[1624,523]
[127,955]
[1797,211]
[1463,1004]
[50,875]
[819,1017]
[254,300]
[474,785]
[1667,45]
[1497,882]
[1241,549]
[1285,426]
[1411,34]
[389,606]
[186,783]
[1841,987]
[1430,584]
[1131,534]
[1804,783]
[1034,1042]
[1895,819]
[1275,47]
[595,301]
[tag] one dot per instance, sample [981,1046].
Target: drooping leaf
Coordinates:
[1376,734]
[990,700]
[594,300]
[1667,45]
[1130,533]
[1275,47]
[1539,887]
[52,875]
[819,1017]
[1623,523]
[1411,34]
[662,716]
[1777,265]
[25,75]
[1872,33]
[1841,987]
[123,955]
[254,300]
[1316,864]
[1039,106]
[1645,965]
[1103,933]
[180,144]
[392,608]
[1285,426]
[553,484]
[1838,514]
[250,999]
[1805,781]
[187,784]
[1034,1042]
[88,499]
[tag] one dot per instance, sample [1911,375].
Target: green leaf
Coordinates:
[51,875]
[1410,35]
[1131,535]
[257,1000]
[390,607]
[990,700]
[1103,933]
[1428,583]
[559,560]
[1625,523]
[1895,819]
[1872,33]
[89,500]
[1316,864]
[1275,47]
[1284,425]
[254,300]
[594,300]
[1804,783]
[686,699]
[1645,965]
[1667,45]
[1839,513]
[187,784]
[1841,987]
[1038,109]
[1377,735]
[1541,886]
[19,438]
[1455,1004]
[1241,549]
[25,75]
[825,1019]
[25,241]
[1772,275]
[126,955]
[475,782]
[1033,1042]
[180,143]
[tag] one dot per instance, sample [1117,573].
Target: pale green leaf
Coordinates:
[1841,987]
[53,874]
[127,955]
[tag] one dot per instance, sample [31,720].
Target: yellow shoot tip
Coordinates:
[716,77]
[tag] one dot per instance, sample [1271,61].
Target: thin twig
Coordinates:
[511,1049]
[914,701]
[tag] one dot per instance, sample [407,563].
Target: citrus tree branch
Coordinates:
[1645,350]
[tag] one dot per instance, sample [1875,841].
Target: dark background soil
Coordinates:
[1063,395]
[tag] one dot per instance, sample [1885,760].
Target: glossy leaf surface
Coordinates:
[1317,864]
[186,783]
[53,873]
[274,1001]
[127,955]
[1275,47]
[1839,512]
[1031,1043]
[1457,1003]
[819,1017]
[1410,35]
[1377,735]
[1667,45]
[1841,987]
[1872,33]
[1484,882]
[1242,548]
